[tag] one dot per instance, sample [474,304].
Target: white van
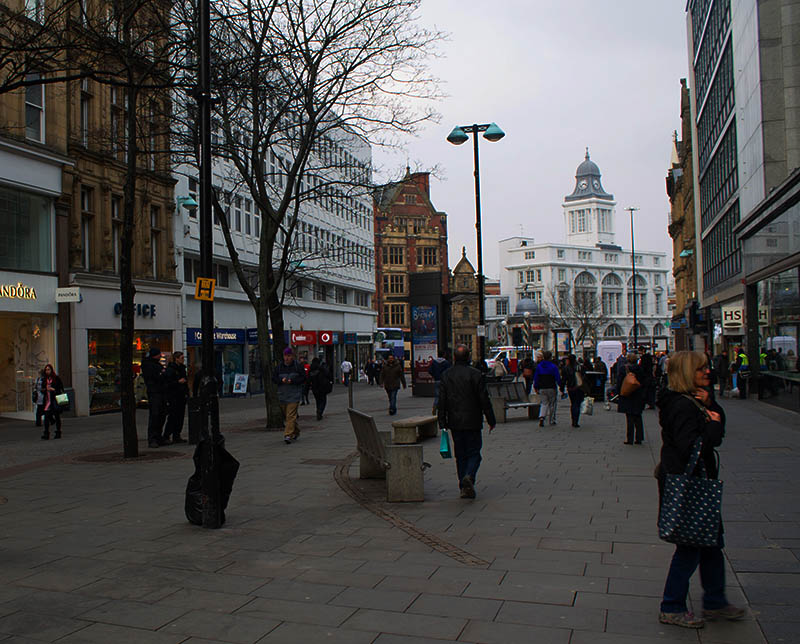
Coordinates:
[609,351]
[513,354]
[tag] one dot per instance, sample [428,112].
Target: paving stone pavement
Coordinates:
[564,521]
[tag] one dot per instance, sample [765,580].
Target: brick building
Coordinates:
[410,237]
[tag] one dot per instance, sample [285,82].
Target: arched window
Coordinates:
[585,279]
[612,294]
[465,312]
[641,330]
[613,331]
[640,282]
[641,296]
[658,329]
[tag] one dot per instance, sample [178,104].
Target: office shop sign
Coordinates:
[140,310]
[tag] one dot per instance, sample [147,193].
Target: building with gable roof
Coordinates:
[410,239]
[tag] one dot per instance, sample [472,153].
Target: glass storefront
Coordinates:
[104,378]
[27,342]
[779,331]
[25,243]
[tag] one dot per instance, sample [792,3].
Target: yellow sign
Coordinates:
[204,289]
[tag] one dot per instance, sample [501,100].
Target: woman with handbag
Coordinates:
[690,420]
[631,400]
[52,387]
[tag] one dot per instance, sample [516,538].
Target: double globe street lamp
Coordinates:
[458,136]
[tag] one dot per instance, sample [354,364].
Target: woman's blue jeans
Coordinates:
[712,576]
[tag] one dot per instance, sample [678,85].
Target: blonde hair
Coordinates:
[681,369]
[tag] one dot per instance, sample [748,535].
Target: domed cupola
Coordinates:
[587,182]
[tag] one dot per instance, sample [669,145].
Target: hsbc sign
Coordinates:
[733,316]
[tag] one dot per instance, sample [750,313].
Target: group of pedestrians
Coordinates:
[167,394]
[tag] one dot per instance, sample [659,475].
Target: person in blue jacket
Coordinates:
[546,382]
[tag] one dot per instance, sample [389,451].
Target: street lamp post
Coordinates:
[633,281]
[458,136]
[209,402]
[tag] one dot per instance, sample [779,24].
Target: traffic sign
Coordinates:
[204,289]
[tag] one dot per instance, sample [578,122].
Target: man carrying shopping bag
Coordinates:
[463,402]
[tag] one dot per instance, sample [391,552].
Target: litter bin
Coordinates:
[597,382]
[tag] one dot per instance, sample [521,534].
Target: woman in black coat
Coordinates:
[51,387]
[632,405]
[687,411]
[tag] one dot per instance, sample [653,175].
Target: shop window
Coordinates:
[34,110]
[30,343]
[104,363]
[25,233]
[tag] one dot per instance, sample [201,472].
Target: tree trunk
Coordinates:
[130,439]
[265,348]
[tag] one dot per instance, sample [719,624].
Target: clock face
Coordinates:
[596,184]
[583,184]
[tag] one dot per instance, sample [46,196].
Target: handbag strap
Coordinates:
[697,449]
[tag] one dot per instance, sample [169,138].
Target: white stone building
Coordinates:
[589,274]
[328,309]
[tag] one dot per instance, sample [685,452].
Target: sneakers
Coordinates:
[287,440]
[730,612]
[687,620]
[541,422]
[467,488]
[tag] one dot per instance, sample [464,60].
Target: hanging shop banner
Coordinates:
[302,338]
[325,337]
[424,340]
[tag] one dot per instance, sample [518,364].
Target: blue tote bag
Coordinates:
[444,445]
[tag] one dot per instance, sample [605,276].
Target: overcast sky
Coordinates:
[556,76]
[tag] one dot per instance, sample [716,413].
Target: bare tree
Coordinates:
[578,309]
[303,88]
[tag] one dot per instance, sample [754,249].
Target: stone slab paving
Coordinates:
[564,525]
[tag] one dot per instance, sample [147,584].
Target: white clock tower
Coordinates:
[589,210]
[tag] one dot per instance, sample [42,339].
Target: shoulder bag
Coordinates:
[629,385]
[691,506]
[62,400]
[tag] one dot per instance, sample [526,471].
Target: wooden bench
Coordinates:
[400,465]
[510,395]
[410,430]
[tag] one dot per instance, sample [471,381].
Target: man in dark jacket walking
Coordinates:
[392,377]
[153,374]
[463,401]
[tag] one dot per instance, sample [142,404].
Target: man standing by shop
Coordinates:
[289,376]
[153,375]
[177,393]
[347,368]
[463,402]
[392,377]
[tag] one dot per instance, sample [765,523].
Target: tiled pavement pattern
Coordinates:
[101,553]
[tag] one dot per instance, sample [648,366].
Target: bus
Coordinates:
[389,340]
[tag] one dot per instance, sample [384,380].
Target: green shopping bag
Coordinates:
[444,445]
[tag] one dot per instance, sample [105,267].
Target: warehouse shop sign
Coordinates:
[17,291]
